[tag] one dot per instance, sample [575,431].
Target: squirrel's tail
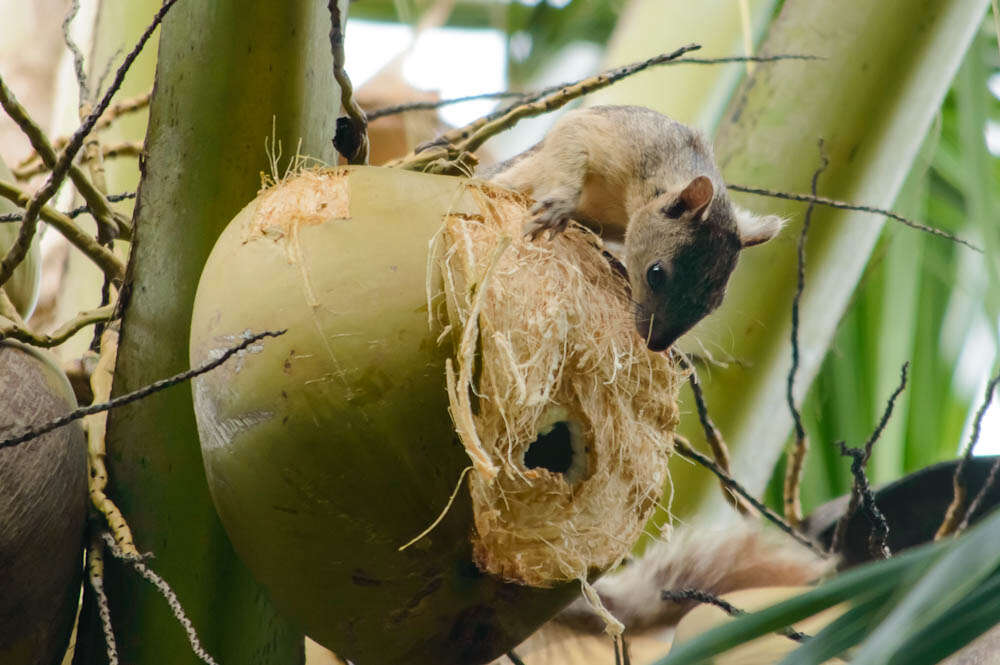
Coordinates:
[717,561]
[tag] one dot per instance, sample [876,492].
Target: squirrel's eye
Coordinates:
[656,276]
[675,210]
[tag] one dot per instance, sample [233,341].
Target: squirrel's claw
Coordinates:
[550,214]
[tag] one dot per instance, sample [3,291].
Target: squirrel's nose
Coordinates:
[660,338]
[657,345]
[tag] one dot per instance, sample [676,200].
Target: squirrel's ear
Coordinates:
[697,196]
[755,229]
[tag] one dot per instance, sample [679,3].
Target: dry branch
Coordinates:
[682,446]
[707,598]
[720,451]
[522,96]
[797,455]
[843,205]
[956,513]
[877,540]
[449,153]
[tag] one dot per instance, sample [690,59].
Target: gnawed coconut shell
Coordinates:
[329,448]
[563,410]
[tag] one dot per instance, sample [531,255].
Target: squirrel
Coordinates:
[633,175]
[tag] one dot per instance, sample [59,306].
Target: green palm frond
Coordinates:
[915,608]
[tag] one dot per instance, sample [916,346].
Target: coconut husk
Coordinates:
[563,411]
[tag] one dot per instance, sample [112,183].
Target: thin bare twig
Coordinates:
[884,420]
[431,105]
[122,149]
[842,205]
[878,545]
[351,139]
[698,596]
[682,446]
[105,73]
[92,146]
[92,157]
[956,512]
[113,198]
[796,300]
[720,451]
[124,107]
[75,212]
[78,64]
[156,386]
[747,58]
[462,133]
[521,96]
[561,97]
[796,458]
[840,532]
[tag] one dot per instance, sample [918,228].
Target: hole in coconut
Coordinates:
[552,451]
[559,448]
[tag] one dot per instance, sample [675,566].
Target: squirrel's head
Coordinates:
[680,250]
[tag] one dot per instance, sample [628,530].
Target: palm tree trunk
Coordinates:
[229,73]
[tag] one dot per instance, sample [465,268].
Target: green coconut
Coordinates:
[413,334]
[43,501]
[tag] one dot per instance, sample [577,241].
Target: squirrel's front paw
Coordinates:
[552,214]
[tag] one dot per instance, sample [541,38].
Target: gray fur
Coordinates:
[716,560]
